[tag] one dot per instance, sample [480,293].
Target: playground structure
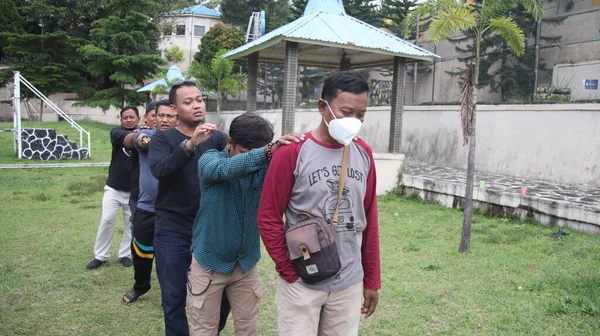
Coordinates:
[45,144]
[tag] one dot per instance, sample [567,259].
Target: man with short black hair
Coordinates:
[226,243]
[173,158]
[149,121]
[142,246]
[116,191]
[305,178]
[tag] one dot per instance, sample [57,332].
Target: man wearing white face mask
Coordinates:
[304,178]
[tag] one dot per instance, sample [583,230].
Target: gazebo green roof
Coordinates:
[325,34]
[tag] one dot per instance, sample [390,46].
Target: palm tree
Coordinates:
[218,78]
[451,16]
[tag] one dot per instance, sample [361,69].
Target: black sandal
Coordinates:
[131,296]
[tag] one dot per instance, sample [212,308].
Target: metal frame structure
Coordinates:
[18,80]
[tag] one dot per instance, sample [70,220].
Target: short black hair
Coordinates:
[343,81]
[134,108]
[151,107]
[162,102]
[176,86]
[250,131]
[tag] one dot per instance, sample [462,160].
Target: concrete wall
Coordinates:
[558,143]
[574,75]
[580,42]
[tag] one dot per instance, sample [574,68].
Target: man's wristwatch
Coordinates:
[186,150]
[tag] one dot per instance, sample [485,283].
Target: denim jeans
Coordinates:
[173,260]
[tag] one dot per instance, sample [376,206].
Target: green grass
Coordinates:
[99,133]
[514,281]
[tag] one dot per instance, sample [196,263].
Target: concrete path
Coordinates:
[549,203]
[510,184]
[53,165]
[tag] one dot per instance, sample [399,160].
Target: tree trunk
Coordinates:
[536,64]
[503,93]
[465,241]
[218,105]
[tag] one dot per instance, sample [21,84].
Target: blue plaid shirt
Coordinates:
[225,231]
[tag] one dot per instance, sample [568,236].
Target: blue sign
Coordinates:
[316,90]
[590,84]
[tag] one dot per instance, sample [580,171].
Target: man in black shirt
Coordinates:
[173,159]
[116,191]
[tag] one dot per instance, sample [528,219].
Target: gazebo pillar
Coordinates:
[252,82]
[290,87]
[397,104]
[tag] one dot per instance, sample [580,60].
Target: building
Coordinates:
[573,62]
[185,29]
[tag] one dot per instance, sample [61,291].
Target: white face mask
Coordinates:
[343,130]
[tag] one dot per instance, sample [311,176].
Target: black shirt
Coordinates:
[121,163]
[178,196]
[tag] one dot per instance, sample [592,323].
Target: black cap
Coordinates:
[151,106]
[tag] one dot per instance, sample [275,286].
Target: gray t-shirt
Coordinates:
[315,191]
[148,183]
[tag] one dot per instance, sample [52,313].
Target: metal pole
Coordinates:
[536,64]
[433,77]
[89,145]
[17,108]
[191,40]
[415,68]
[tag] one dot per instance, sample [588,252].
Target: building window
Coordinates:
[180,30]
[199,30]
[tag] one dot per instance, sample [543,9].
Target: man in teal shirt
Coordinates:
[226,242]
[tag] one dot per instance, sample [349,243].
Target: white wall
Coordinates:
[558,143]
[574,75]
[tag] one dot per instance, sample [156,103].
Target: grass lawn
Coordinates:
[515,281]
[99,134]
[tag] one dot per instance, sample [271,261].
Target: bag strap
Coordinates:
[341,185]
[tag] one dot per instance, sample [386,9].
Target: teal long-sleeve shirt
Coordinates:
[225,230]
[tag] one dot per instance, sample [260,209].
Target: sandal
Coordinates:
[131,296]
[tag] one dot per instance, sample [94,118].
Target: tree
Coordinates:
[277,14]
[10,22]
[238,12]
[122,53]
[217,38]
[394,13]
[174,54]
[212,4]
[513,78]
[297,8]
[451,16]
[364,10]
[218,77]
[44,54]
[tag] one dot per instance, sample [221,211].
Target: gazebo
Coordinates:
[324,36]
[173,74]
